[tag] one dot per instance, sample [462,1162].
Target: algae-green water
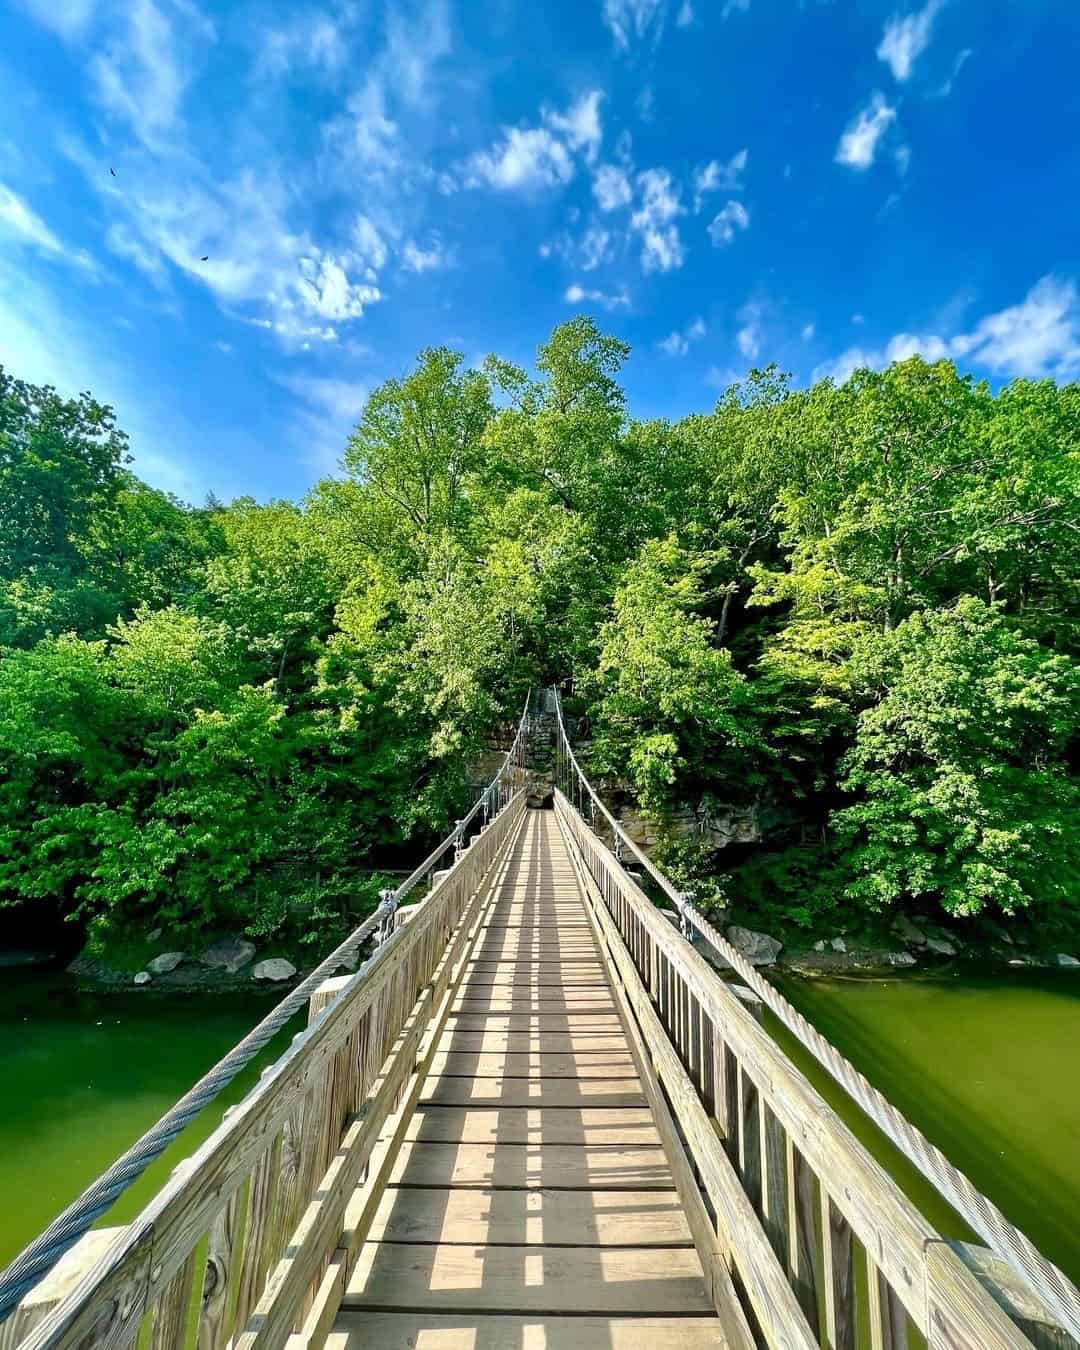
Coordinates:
[986,1065]
[84,1074]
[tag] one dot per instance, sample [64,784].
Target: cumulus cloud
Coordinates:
[858,145]
[906,38]
[726,224]
[1038,337]
[528,159]
[717,177]
[678,342]
[654,220]
[611,187]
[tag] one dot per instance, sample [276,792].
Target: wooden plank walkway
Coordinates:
[531,1206]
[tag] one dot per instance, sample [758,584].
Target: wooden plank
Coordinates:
[526,1042]
[445,1278]
[838,1276]
[565,978]
[405,1331]
[594,1218]
[567,1020]
[171,1313]
[803,1261]
[718,1284]
[769,1294]
[220,1289]
[774,1209]
[596,1166]
[535,1064]
[324,1309]
[551,1092]
[630,1126]
[886,1316]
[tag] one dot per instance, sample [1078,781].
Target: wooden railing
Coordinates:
[242,1240]
[805,1239]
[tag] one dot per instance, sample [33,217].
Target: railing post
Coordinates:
[386,928]
[459,840]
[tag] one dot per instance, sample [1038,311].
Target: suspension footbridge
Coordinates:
[534,1118]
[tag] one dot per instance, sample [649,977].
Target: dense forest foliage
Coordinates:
[850,612]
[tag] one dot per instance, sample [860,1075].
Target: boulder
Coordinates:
[759,948]
[941,946]
[908,932]
[143,977]
[838,945]
[154,935]
[1064,960]
[229,954]
[899,959]
[819,946]
[276,968]
[161,965]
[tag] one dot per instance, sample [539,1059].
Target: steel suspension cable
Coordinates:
[37,1259]
[1003,1237]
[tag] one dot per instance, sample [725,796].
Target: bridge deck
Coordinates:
[532,1204]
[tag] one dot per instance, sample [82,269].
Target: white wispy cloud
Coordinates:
[68,18]
[1038,337]
[586,251]
[654,220]
[632,19]
[727,223]
[328,410]
[678,342]
[141,71]
[962,58]
[685,16]
[435,257]
[906,38]
[858,145]
[611,187]
[734,7]
[312,40]
[19,221]
[580,124]
[579,295]
[749,336]
[717,177]
[808,332]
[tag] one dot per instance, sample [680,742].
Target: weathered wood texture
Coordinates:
[795,1197]
[245,1194]
[531,1187]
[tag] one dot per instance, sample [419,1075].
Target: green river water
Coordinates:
[986,1066]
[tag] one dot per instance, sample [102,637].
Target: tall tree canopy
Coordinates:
[851,609]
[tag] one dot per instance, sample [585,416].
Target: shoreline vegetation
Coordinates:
[818,645]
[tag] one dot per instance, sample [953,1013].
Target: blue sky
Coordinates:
[723,183]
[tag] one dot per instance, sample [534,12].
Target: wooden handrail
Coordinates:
[250,1184]
[816,1236]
